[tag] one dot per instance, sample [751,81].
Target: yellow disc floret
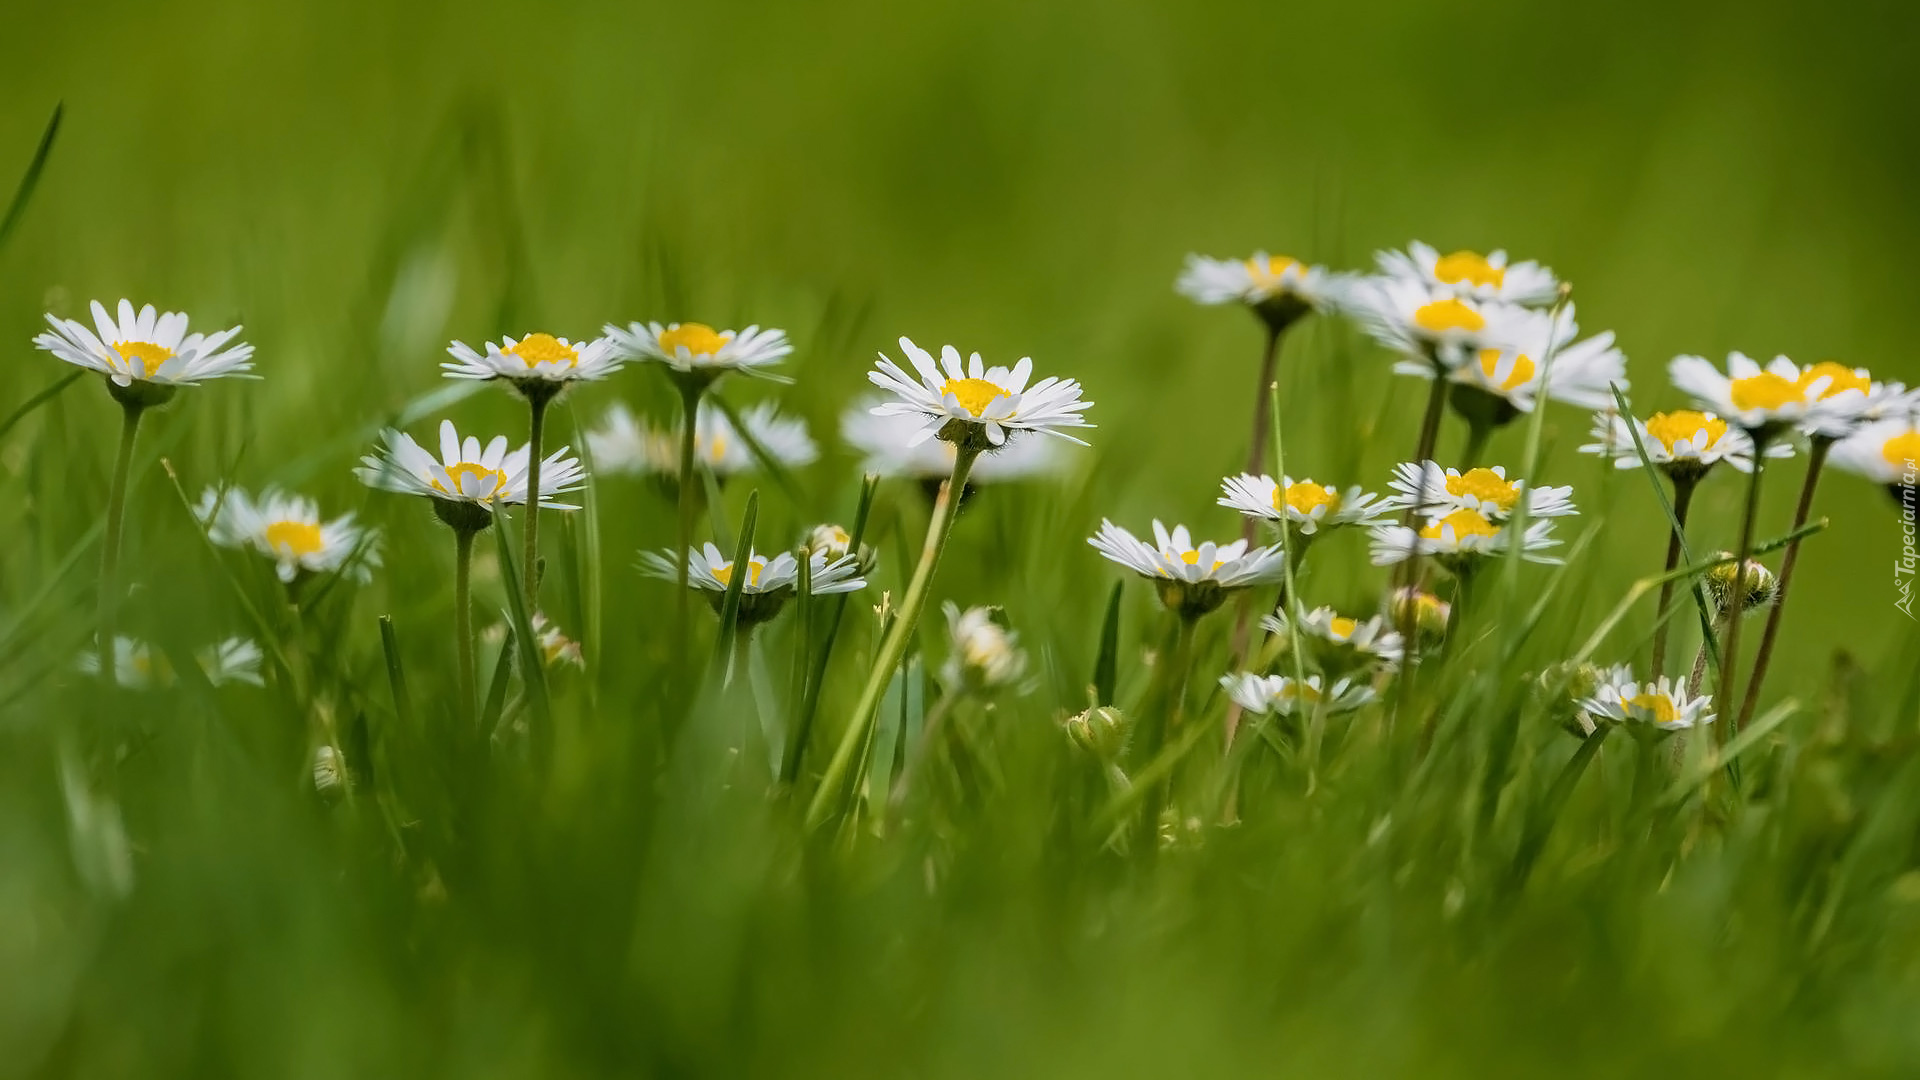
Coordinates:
[1521,375]
[1342,627]
[1765,391]
[724,572]
[1267,274]
[146,354]
[1673,428]
[1660,705]
[697,338]
[1449,314]
[1305,497]
[1840,379]
[474,480]
[974,395]
[296,538]
[1464,523]
[1903,450]
[1468,267]
[536,349]
[1485,485]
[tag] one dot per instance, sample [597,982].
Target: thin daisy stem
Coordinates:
[1677,538]
[1816,457]
[1165,712]
[463,620]
[690,391]
[110,549]
[833,790]
[1262,414]
[530,563]
[1723,691]
[1477,435]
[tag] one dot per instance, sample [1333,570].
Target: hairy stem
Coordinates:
[463,620]
[530,561]
[1723,691]
[110,550]
[1682,499]
[1816,457]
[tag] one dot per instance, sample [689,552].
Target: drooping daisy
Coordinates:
[234,660]
[1766,401]
[1434,491]
[986,653]
[1302,504]
[624,444]
[970,404]
[1496,385]
[1346,642]
[1458,537]
[1684,444]
[467,473]
[891,445]
[1193,579]
[288,529]
[1436,325]
[700,350]
[1885,451]
[770,582]
[536,361]
[1662,704]
[1278,288]
[1283,696]
[1471,275]
[146,347]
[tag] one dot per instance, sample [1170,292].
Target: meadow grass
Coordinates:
[610,883]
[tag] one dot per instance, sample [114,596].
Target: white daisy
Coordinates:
[1471,275]
[1682,442]
[1851,399]
[1581,373]
[1460,535]
[1436,325]
[986,654]
[467,472]
[1367,639]
[696,348]
[1885,451]
[891,445]
[235,660]
[1430,490]
[958,400]
[709,568]
[539,358]
[1278,287]
[624,444]
[288,529]
[1779,395]
[1282,696]
[1174,556]
[1663,704]
[1303,504]
[144,346]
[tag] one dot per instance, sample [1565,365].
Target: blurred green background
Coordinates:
[358,182]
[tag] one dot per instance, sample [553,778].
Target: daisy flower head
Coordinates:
[971,405]
[467,480]
[1302,504]
[769,584]
[1884,451]
[1498,384]
[1850,399]
[623,444]
[1765,401]
[288,529]
[234,660]
[1101,731]
[555,647]
[986,652]
[1340,643]
[1193,579]
[1428,489]
[1435,326]
[1283,696]
[1471,275]
[1683,443]
[1653,707]
[537,364]
[700,353]
[891,445]
[1278,288]
[1458,538]
[146,355]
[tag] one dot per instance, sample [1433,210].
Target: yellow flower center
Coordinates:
[1484,485]
[698,338]
[537,349]
[1840,379]
[1465,523]
[1468,267]
[1268,273]
[717,449]
[1660,705]
[725,572]
[1672,427]
[1521,374]
[295,538]
[974,395]
[1449,314]
[1765,391]
[490,481]
[1902,450]
[1306,496]
[1299,691]
[1192,558]
[149,355]
[1342,627]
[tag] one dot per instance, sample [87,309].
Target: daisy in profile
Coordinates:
[288,529]
[146,354]
[1471,275]
[468,481]
[1437,326]
[1193,579]
[1766,401]
[889,445]
[1459,538]
[1683,443]
[701,352]
[1424,613]
[1497,385]
[973,406]
[234,660]
[1433,491]
[536,363]
[1340,643]
[1661,705]
[623,444]
[1302,504]
[555,647]
[1277,288]
[1282,696]
[1885,452]
[769,583]
[986,652]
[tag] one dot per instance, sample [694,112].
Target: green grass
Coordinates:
[602,892]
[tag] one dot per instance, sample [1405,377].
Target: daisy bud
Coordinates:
[829,540]
[986,655]
[1759,584]
[1425,612]
[1101,731]
[329,772]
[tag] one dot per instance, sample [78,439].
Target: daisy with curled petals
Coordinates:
[769,583]
[1653,707]
[1193,579]
[288,529]
[1304,506]
[1433,491]
[1471,275]
[1457,539]
[1283,696]
[625,444]
[1885,452]
[1278,288]
[1339,642]
[234,660]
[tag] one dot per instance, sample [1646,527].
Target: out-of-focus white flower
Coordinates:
[1281,695]
[986,654]
[1471,275]
[1303,504]
[1363,640]
[1460,535]
[891,445]
[624,444]
[136,667]
[1433,491]
[288,529]
[1278,288]
[1885,451]
[1663,704]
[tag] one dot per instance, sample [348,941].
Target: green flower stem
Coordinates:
[110,549]
[463,620]
[690,391]
[1165,710]
[537,400]
[1478,432]
[1682,499]
[1723,691]
[893,646]
[1816,457]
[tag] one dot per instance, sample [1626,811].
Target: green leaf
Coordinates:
[30,180]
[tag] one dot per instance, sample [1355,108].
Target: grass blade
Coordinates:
[30,180]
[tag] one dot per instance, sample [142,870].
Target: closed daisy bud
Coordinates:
[1761,587]
[330,777]
[1425,612]
[1101,731]
[830,540]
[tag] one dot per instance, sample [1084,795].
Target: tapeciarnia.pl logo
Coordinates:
[1904,566]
